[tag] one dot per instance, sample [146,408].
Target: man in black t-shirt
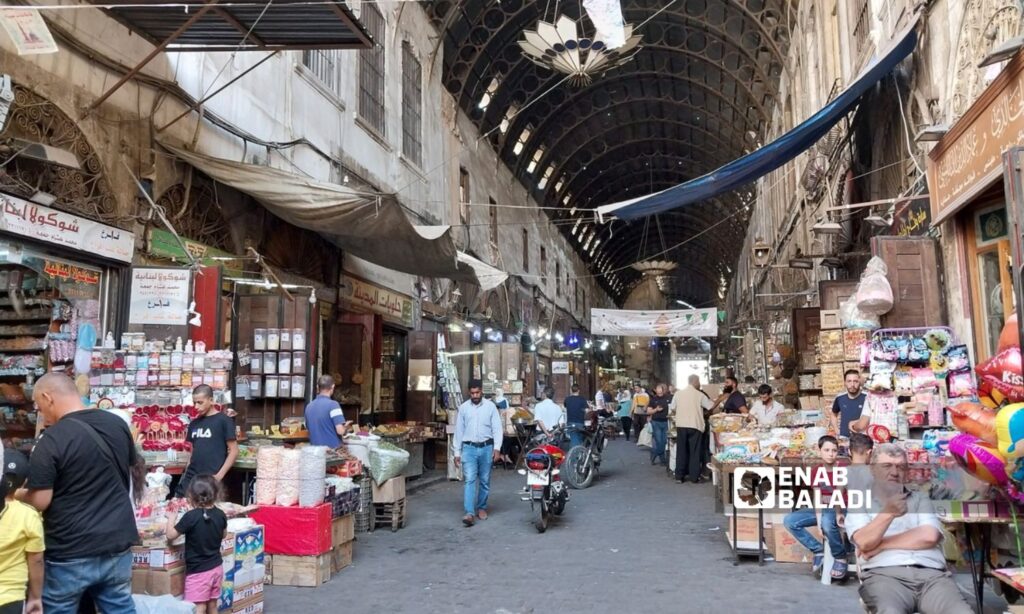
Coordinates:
[212,435]
[658,416]
[79,478]
[575,415]
[733,401]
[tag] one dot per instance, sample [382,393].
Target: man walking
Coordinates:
[575,416]
[324,419]
[689,405]
[79,479]
[639,412]
[477,442]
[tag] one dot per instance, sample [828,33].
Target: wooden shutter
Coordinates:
[832,294]
[913,264]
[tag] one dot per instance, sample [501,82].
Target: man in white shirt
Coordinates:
[477,442]
[548,413]
[689,405]
[898,539]
[765,409]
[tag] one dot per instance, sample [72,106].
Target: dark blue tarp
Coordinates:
[753,166]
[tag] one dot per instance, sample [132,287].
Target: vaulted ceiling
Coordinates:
[698,94]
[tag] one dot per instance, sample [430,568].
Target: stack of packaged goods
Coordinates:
[244,568]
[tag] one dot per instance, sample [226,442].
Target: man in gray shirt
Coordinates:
[477,442]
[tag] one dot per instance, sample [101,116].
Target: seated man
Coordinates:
[899,547]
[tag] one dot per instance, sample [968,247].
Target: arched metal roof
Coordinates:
[698,94]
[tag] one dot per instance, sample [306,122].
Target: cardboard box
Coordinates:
[295,531]
[249,606]
[830,319]
[288,570]
[341,557]
[249,546]
[168,557]
[390,491]
[343,530]
[830,346]
[745,528]
[852,340]
[165,581]
[249,592]
[787,549]
[139,579]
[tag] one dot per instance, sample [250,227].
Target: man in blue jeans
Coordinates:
[79,479]
[477,442]
[797,521]
[657,415]
[575,416]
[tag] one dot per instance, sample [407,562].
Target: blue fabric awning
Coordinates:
[753,166]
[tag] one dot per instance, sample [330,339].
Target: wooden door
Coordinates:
[913,273]
[422,352]
[991,285]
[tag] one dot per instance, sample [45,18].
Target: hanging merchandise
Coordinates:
[979,458]
[1010,430]
[975,419]
[852,317]
[1002,373]
[874,294]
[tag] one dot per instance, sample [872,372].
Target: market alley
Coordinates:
[635,541]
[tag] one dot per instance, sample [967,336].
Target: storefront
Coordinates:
[60,279]
[965,179]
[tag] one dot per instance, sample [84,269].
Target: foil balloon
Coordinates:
[975,419]
[1015,471]
[1003,373]
[878,433]
[980,459]
[1010,430]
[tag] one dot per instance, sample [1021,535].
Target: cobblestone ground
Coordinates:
[634,542]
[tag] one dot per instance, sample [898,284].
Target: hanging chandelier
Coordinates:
[559,47]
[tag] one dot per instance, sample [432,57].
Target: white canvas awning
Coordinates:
[370,226]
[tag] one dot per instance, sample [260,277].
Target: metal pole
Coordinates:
[152,54]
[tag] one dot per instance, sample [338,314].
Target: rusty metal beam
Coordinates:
[149,57]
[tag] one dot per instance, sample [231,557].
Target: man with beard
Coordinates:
[477,441]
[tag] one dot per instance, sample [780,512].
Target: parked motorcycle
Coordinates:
[583,462]
[546,492]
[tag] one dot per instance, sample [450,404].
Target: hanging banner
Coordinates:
[159,296]
[28,31]
[675,323]
[44,224]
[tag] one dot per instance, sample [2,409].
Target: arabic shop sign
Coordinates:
[71,273]
[34,221]
[392,305]
[912,218]
[159,296]
[969,157]
[162,244]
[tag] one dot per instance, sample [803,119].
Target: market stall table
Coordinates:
[983,526]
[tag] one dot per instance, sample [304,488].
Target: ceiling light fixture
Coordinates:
[559,47]
[881,221]
[826,228]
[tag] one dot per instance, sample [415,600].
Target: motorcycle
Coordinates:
[583,462]
[546,492]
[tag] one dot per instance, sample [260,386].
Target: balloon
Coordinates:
[879,433]
[1003,373]
[980,459]
[1010,430]
[975,419]
[1009,336]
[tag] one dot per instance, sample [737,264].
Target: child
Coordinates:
[797,521]
[858,476]
[21,542]
[203,528]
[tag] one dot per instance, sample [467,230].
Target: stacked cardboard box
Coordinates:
[244,571]
[158,570]
[299,542]
[343,535]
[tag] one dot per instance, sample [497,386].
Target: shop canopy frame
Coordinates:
[372,226]
[273,25]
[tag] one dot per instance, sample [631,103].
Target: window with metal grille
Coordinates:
[861,27]
[371,71]
[463,194]
[526,251]
[493,211]
[325,65]
[412,106]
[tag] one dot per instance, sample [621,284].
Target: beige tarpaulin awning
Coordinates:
[370,226]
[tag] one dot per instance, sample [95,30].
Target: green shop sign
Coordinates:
[162,244]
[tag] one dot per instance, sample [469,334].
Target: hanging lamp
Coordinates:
[559,47]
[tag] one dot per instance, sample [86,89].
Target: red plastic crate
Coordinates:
[295,531]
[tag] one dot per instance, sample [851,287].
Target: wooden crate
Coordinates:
[286,570]
[389,514]
[341,556]
[343,530]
